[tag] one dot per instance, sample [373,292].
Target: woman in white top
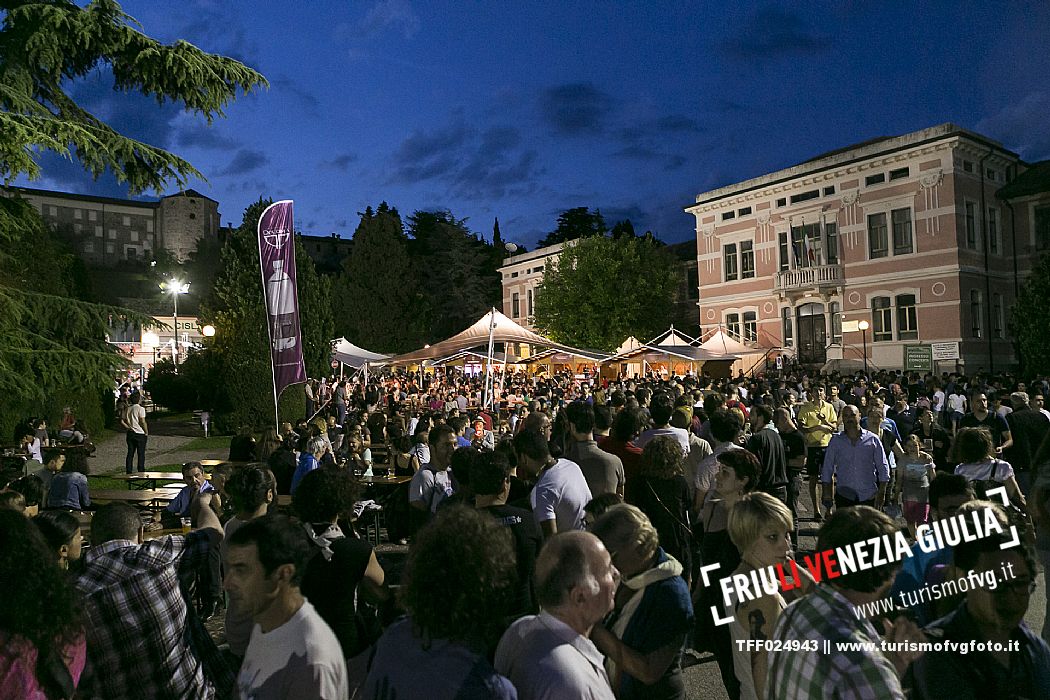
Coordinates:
[760,527]
[975,448]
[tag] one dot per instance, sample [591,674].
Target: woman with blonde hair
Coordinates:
[760,526]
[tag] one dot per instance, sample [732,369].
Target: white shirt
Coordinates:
[431,487]
[135,415]
[560,495]
[300,659]
[546,659]
[938,400]
[679,434]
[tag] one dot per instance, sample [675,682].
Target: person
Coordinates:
[69,487]
[981,417]
[1028,428]
[133,420]
[404,462]
[643,640]
[283,463]
[490,477]
[432,484]
[765,443]
[829,613]
[856,457]
[196,481]
[795,454]
[915,475]
[252,489]
[957,405]
[602,470]
[627,424]
[31,445]
[62,531]
[32,490]
[975,449]
[760,527]
[561,491]
[309,459]
[661,408]
[267,445]
[69,429]
[935,440]
[993,614]
[42,648]
[481,438]
[817,422]
[725,428]
[54,460]
[663,495]
[467,558]
[242,446]
[143,640]
[293,653]
[343,568]
[550,655]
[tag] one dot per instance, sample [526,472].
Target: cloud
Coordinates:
[204,136]
[396,15]
[771,33]
[64,175]
[340,162]
[131,114]
[575,109]
[1022,126]
[245,161]
[309,104]
[646,141]
[472,162]
[215,31]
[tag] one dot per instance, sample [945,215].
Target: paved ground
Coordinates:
[163,447]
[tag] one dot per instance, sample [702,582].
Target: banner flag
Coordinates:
[280,295]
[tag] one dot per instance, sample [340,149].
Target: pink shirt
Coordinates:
[18,667]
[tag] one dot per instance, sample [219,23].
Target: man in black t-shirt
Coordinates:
[767,445]
[490,478]
[995,424]
[795,454]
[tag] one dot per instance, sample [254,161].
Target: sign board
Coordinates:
[945,351]
[850,326]
[918,357]
[189,329]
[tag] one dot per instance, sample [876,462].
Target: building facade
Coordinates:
[905,233]
[522,275]
[106,231]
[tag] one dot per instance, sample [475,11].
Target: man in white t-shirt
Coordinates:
[661,408]
[293,653]
[561,490]
[431,484]
[134,422]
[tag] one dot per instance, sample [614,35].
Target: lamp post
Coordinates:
[863,326]
[152,340]
[175,288]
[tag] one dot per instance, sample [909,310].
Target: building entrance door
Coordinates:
[812,335]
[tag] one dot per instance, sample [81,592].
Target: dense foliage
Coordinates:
[602,290]
[1030,319]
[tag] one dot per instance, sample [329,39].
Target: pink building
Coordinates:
[906,233]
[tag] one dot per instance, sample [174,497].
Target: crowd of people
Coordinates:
[561,544]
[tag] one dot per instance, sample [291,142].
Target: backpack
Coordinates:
[981,487]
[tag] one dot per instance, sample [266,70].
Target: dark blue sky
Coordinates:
[522,110]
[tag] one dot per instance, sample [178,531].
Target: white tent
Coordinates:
[722,342]
[347,353]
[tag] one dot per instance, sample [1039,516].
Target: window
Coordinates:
[994,244]
[785,320]
[733,325]
[747,260]
[991,174]
[192,215]
[729,259]
[112,234]
[970,224]
[805,196]
[907,326]
[899,174]
[515,305]
[52,210]
[77,228]
[127,221]
[902,241]
[835,309]
[109,247]
[828,191]
[89,246]
[693,283]
[877,243]
[744,211]
[528,301]
[997,315]
[514,274]
[782,246]
[727,215]
[782,202]
[968,166]
[1041,215]
[750,326]
[975,313]
[135,239]
[881,319]
[831,233]
[317,246]
[92,215]
[805,240]
[874,179]
[149,225]
[78,214]
[538,269]
[98,231]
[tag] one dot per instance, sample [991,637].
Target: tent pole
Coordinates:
[488,361]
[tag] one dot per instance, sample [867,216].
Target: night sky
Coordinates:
[522,110]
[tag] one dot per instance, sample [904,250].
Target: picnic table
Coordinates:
[148,497]
[147,480]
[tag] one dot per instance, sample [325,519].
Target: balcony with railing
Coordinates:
[810,278]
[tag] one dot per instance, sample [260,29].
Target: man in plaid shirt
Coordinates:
[143,641]
[827,614]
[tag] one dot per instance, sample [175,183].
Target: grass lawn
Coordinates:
[214,442]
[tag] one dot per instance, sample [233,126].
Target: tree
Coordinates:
[623,229]
[244,395]
[497,237]
[376,296]
[602,290]
[1030,319]
[54,351]
[44,46]
[580,222]
[460,277]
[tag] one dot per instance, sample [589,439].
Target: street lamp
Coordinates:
[175,288]
[208,331]
[863,326]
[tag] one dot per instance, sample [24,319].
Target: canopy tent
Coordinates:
[562,357]
[503,330]
[349,354]
[722,342]
[672,337]
[470,357]
[675,356]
